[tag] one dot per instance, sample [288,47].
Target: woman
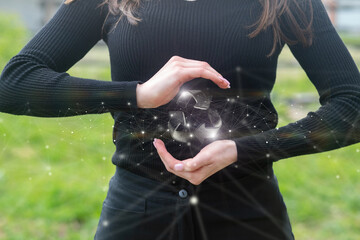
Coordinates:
[193,155]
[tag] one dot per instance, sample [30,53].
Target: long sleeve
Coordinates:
[35,81]
[335,124]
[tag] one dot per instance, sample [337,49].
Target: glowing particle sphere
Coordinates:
[195,119]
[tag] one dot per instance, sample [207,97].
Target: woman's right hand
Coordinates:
[166,83]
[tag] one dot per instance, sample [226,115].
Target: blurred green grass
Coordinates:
[54,173]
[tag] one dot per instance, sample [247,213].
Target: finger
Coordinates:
[180,61]
[202,64]
[166,157]
[197,162]
[196,72]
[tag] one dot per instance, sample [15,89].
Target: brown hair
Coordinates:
[270,17]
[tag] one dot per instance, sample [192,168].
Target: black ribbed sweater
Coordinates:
[35,81]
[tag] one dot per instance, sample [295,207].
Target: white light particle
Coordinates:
[267,155]
[337,176]
[103,158]
[105,223]
[213,135]
[155,117]
[142,132]
[194,200]
[184,94]
[47,146]
[50,173]
[191,135]
[229,130]
[128,103]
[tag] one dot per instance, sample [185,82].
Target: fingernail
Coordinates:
[154,142]
[179,167]
[224,80]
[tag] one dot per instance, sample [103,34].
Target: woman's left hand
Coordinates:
[211,159]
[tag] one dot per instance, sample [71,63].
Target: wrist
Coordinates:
[232,150]
[139,101]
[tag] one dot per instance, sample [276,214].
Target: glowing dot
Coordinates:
[173,182]
[155,117]
[188,143]
[358,170]
[171,115]
[357,150]
[191,135]
[137,164]
[30,178]
[184,94]
[103,158]
[247,115]
[128,103]
[161,173]
[50,173]
[102,103]
[72,132]
[229,130]
[268,177]
[236,166]
[267,142]
[314,147]
[142,132]
[337,176]
[267,155]
[194,200]
[167,130]
[47,146]
[105,223]
[228,99]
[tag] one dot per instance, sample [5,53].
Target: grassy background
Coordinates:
[54,173]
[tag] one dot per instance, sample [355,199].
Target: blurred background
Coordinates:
[54,173]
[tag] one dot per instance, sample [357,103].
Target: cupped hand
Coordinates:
[166,83]
[211,159]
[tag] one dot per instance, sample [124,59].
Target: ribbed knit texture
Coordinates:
[35,81]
